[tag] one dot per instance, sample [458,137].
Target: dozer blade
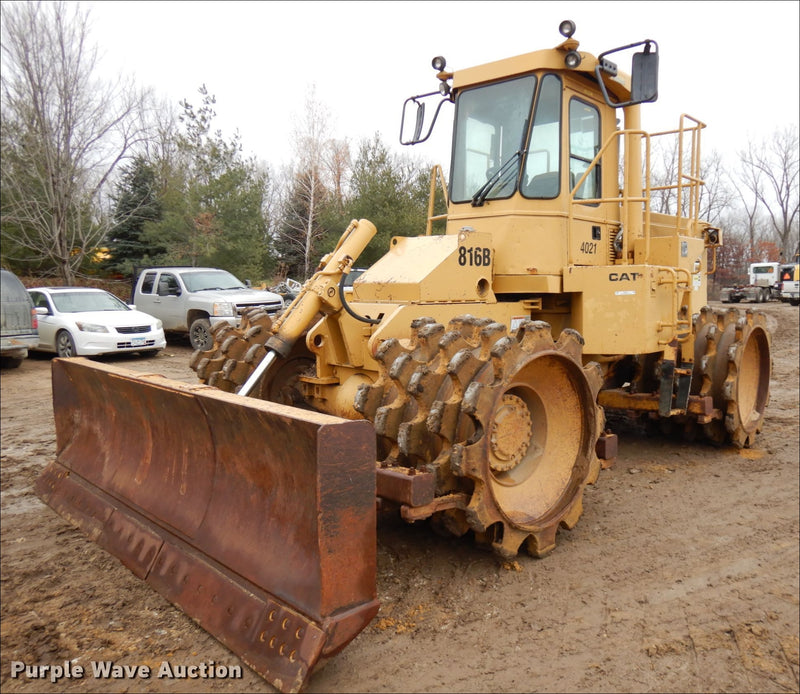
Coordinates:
[257,519]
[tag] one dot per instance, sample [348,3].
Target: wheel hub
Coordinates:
[511,433]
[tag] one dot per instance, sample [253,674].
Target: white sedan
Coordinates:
[79,321]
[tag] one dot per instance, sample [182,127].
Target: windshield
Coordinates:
[77,302]
[543,164]
[210,279]
[490,129]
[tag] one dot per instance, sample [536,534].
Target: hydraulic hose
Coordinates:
[350,311]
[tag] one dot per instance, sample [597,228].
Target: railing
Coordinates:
[635,199]
[681,327]
[686,183]
[694,182]
[437,176]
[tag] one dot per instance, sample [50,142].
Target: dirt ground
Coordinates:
[681,576]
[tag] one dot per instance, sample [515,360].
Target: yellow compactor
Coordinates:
[465,379]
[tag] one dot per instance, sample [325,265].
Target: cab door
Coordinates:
[146,299]
[170,306]
[594,224]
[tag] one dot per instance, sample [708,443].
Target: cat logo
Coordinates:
[624,276]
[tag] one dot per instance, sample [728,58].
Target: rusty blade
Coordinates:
[256,519]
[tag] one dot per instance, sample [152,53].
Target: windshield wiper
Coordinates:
[500,174]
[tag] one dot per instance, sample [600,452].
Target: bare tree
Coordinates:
[749,198]
[663,176]
[310,138]
[319,174]
[338,164]
[63,133]
[769,171]
[715,195]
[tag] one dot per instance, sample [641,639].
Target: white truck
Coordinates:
[790,284]
[191,300]
[764,284]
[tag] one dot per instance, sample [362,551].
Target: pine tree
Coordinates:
[136,203]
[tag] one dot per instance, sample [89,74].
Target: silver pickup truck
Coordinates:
[18,318]
[193,299]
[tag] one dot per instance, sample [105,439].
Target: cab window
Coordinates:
[168,285]
[584,144]
[148,283]
[542,177]
[40,301]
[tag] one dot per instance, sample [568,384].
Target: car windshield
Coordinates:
[76,302]
[211,279]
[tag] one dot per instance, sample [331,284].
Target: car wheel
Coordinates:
[65,345]
[200,335]
[10,362]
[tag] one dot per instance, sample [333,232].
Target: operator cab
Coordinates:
[511,131]
[535,157]
[496,154]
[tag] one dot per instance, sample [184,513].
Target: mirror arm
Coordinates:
[606,66]
[416,139]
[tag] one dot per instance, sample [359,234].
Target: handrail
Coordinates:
[437,175]
[712,268]
[693,176]
[677,289]
[624,200]
[687,183]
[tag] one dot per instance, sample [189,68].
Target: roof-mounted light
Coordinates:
[567,28]
[572,59]
[438,63]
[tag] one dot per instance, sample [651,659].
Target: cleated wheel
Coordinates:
[237,351]
[733,364]
[538,424]
[511,420]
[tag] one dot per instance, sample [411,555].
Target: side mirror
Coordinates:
[412,125]
[644,74]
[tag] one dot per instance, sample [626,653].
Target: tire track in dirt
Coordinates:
[682,575]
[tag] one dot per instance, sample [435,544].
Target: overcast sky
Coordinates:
[733,65]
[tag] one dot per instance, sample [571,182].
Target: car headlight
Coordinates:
[159,325]
[223,308]
[91,327]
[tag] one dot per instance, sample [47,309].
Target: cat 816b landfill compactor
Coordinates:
[464,379]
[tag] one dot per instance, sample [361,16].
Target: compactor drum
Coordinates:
[732,354]
[465,379]
[503,426]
